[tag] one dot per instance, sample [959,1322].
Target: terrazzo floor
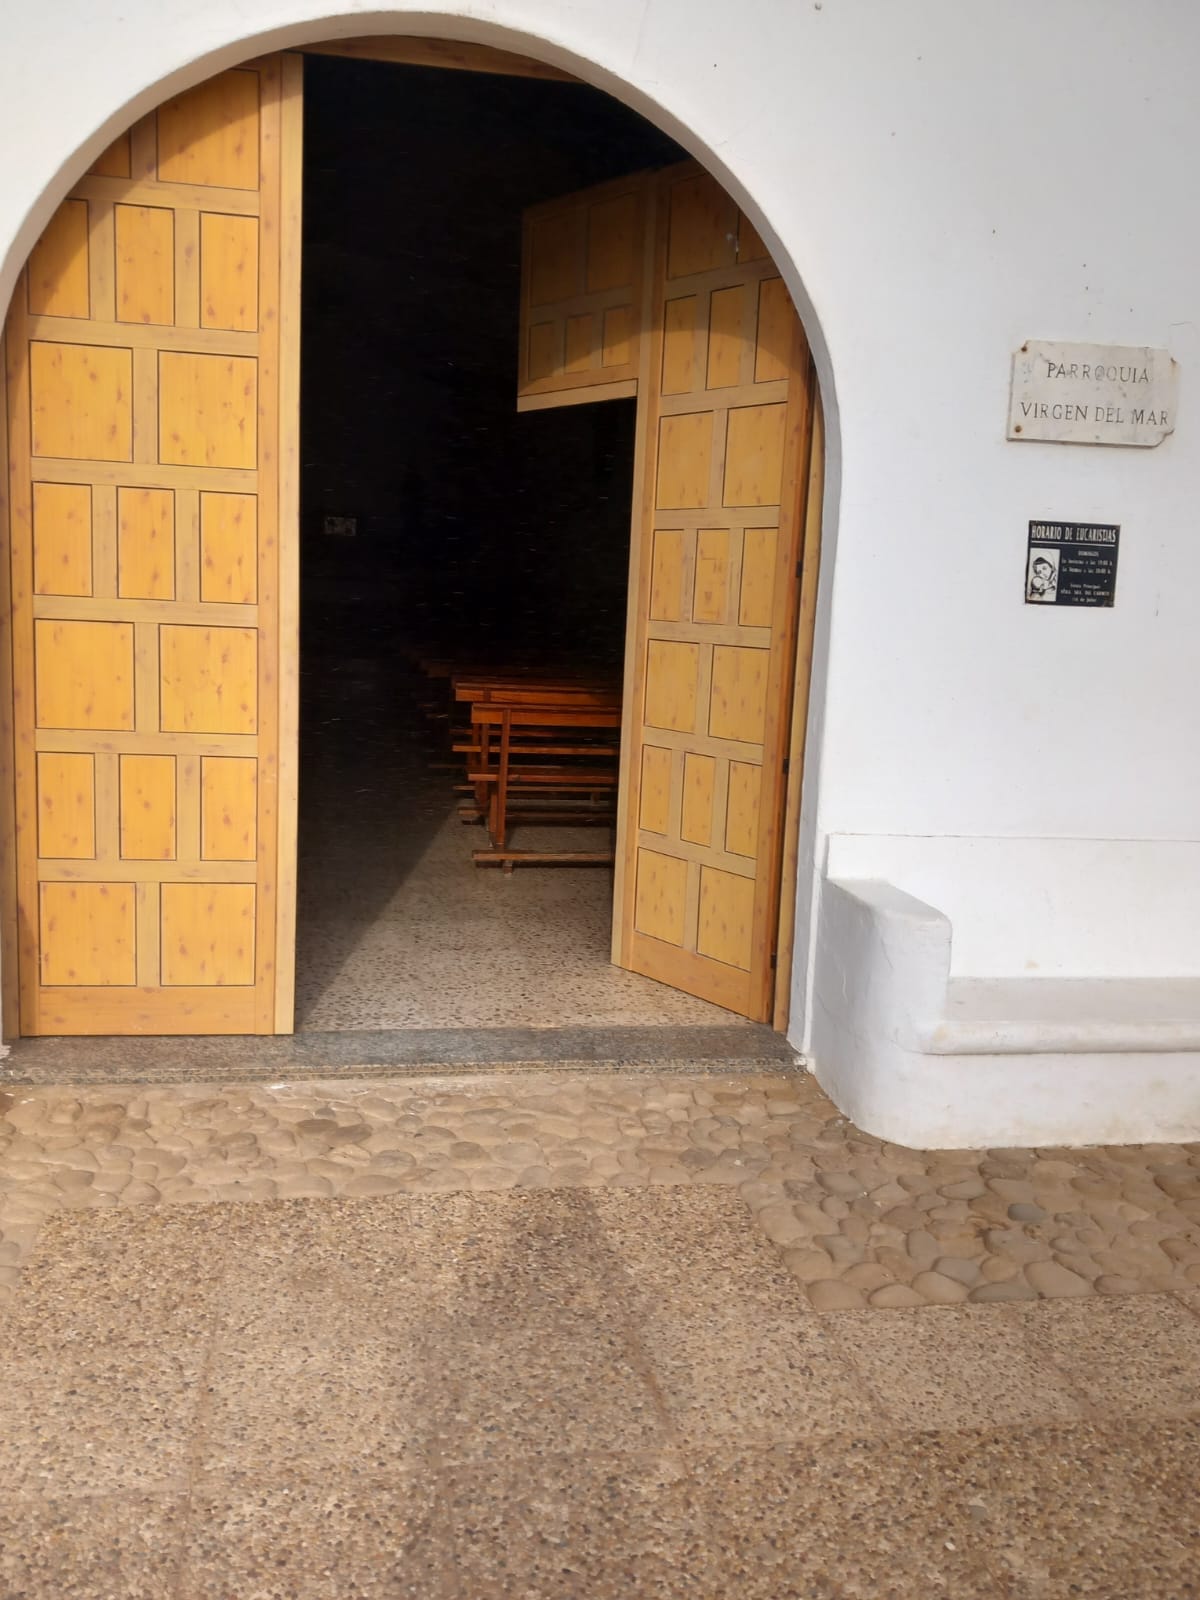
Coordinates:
[397,928]
[549,1338]
[433,941]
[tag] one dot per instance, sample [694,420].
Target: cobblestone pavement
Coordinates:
[541,1338]
[858,1221]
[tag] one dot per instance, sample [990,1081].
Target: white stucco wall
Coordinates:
[940,181]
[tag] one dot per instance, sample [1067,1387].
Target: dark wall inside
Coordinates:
[478,530]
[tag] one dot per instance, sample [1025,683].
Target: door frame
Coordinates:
[450,55]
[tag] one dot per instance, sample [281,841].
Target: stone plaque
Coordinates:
[1092,393]
[1072,563]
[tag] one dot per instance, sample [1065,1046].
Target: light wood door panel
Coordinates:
[725,401]
[581,295]
[144,460]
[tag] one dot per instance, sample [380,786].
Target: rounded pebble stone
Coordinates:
[1054,1281]
[898,1262]
[895,1297]
[843,1184]
[965,1189]
[939,1289]
[904,1217]
[923,1247]
[778,1222]
[309,1188]
[989,1293]
[393,1161]
[831,1294]
[369,1183]
[1179,1248]
[1109,1283]
[135,1194]
[467,1150]
[810,1266]
[960,1268]
[868,1275]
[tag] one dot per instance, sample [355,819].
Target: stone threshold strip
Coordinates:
[860,1222]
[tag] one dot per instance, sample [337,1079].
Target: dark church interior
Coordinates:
[438,521]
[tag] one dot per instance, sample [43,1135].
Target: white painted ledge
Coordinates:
[928,1061]
[1018,1016]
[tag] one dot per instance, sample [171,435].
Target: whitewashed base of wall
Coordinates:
[923,1059]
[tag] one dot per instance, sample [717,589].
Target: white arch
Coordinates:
[541,46]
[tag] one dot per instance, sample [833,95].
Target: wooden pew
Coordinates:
[517,688]
[541,763]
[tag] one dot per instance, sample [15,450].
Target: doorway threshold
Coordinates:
[391,1052]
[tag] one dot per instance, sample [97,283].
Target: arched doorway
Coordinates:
[153,404]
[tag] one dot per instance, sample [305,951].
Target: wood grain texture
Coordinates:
[581,293]
[269,655]
[754,455]
[66,788]
[672,678]
[83,674]
[58,272]
[207,407]
[741,816]
[668,602]
[208,934]
[712,605]
[648,358]
[10,997]
[699,782]
[62,549]
[210,134]
[655,814]
[143,577]
[291,136]
[710,596]
[661,880]
[209,680]
[228,272]
[145,263]
[228,809]
[145,544]
[147,798]
[685,453]
[82,401]
[725,930]
[113,162]
[229,548]
[701,225]
[814,492]
[24,918]
[452,54]
[86,934]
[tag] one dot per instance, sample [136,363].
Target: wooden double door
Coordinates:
[152,349]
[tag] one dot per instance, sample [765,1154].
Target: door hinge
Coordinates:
[774,959]
[787,765]
[800,569]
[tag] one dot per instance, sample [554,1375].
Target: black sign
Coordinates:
[1072,563]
